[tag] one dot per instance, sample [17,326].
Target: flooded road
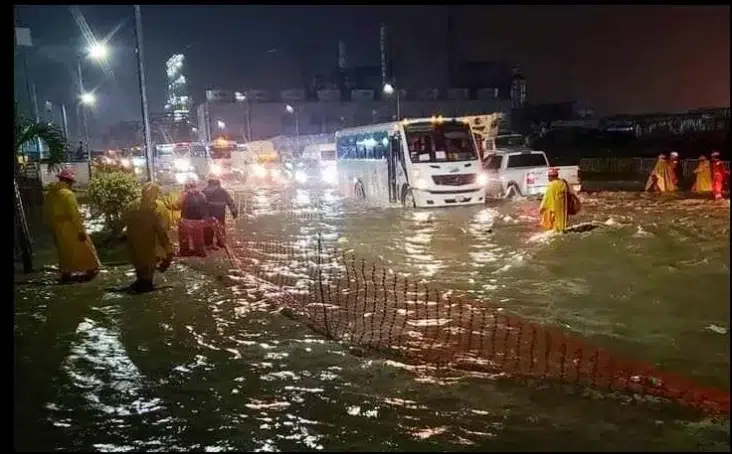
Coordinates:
[209,365]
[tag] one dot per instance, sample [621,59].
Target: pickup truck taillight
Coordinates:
[530,179]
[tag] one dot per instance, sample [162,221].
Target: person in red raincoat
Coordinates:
[719,173]
[675,168]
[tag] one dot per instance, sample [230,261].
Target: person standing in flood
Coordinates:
[555,207]
[674,167]
[660,179]
[194,212]
[76,252]
[148,242]
[703,176]
[218,199]
[719,174]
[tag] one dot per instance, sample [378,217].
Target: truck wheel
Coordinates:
[408,198]
[359,190]
[512,192]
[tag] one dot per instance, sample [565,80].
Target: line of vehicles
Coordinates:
[425,162]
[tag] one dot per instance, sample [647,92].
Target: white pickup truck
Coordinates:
[515,173]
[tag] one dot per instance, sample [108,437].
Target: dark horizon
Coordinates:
[613,59]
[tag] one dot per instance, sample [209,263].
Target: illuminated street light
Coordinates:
[291,110]
[240,97]
[98,51]
[88,99]
[194,129]
[220,124]
[389,90]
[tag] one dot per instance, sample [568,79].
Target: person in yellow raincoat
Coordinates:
[661,179]
[170,209]
[147,239]
[76,252]
[554,208]
[703,173]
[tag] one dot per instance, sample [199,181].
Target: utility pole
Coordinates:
[143,94]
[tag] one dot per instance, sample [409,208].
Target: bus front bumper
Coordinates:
[427,199]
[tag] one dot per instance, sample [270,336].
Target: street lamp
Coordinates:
[220,124]
[388,91]
[241,97]
[291,110]
[97,51]
[88,99]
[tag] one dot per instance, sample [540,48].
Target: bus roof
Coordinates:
[392,124]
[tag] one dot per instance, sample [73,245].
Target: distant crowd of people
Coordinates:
[709,177]
[198,215]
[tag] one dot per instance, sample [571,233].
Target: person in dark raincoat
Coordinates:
[194,215]
[218,199]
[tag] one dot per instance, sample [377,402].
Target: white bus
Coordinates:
[427,162]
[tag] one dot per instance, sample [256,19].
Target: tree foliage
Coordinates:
[27,131]
[109,194]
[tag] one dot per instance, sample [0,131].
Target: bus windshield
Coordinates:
[441,142]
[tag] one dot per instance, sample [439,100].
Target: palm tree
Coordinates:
[27,131]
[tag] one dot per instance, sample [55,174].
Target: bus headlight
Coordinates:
[329,175]
[182,165]
[482,179]
[301,177]
[260,171]
[181,178]
[216,169]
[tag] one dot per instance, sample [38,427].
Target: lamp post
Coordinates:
[143,94]
[97,51]
[291,110]
[389,90]
[241,97]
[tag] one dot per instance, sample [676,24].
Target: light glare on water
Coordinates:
[215,366]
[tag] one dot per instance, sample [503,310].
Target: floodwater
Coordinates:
[211,365]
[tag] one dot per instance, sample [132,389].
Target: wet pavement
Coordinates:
[210,364]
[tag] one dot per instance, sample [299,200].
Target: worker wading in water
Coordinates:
[169,206]
[218,199]
[558,204]
[194,215]
[77,258]
[703,176]
[660,179]
[674,167]
[719,174]
[148,243]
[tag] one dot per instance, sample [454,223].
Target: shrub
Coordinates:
[109,194]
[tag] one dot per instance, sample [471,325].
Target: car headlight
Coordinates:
[301,177]
[138,162]
[482,179]
[275,173]
[181,178]
[329,175]
[260,171]
[182,165]
[216,169]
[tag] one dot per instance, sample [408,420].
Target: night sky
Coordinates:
[614,59]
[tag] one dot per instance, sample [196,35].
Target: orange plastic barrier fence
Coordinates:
[365,304]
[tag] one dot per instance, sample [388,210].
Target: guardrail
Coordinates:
[635,166]
[366,304]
